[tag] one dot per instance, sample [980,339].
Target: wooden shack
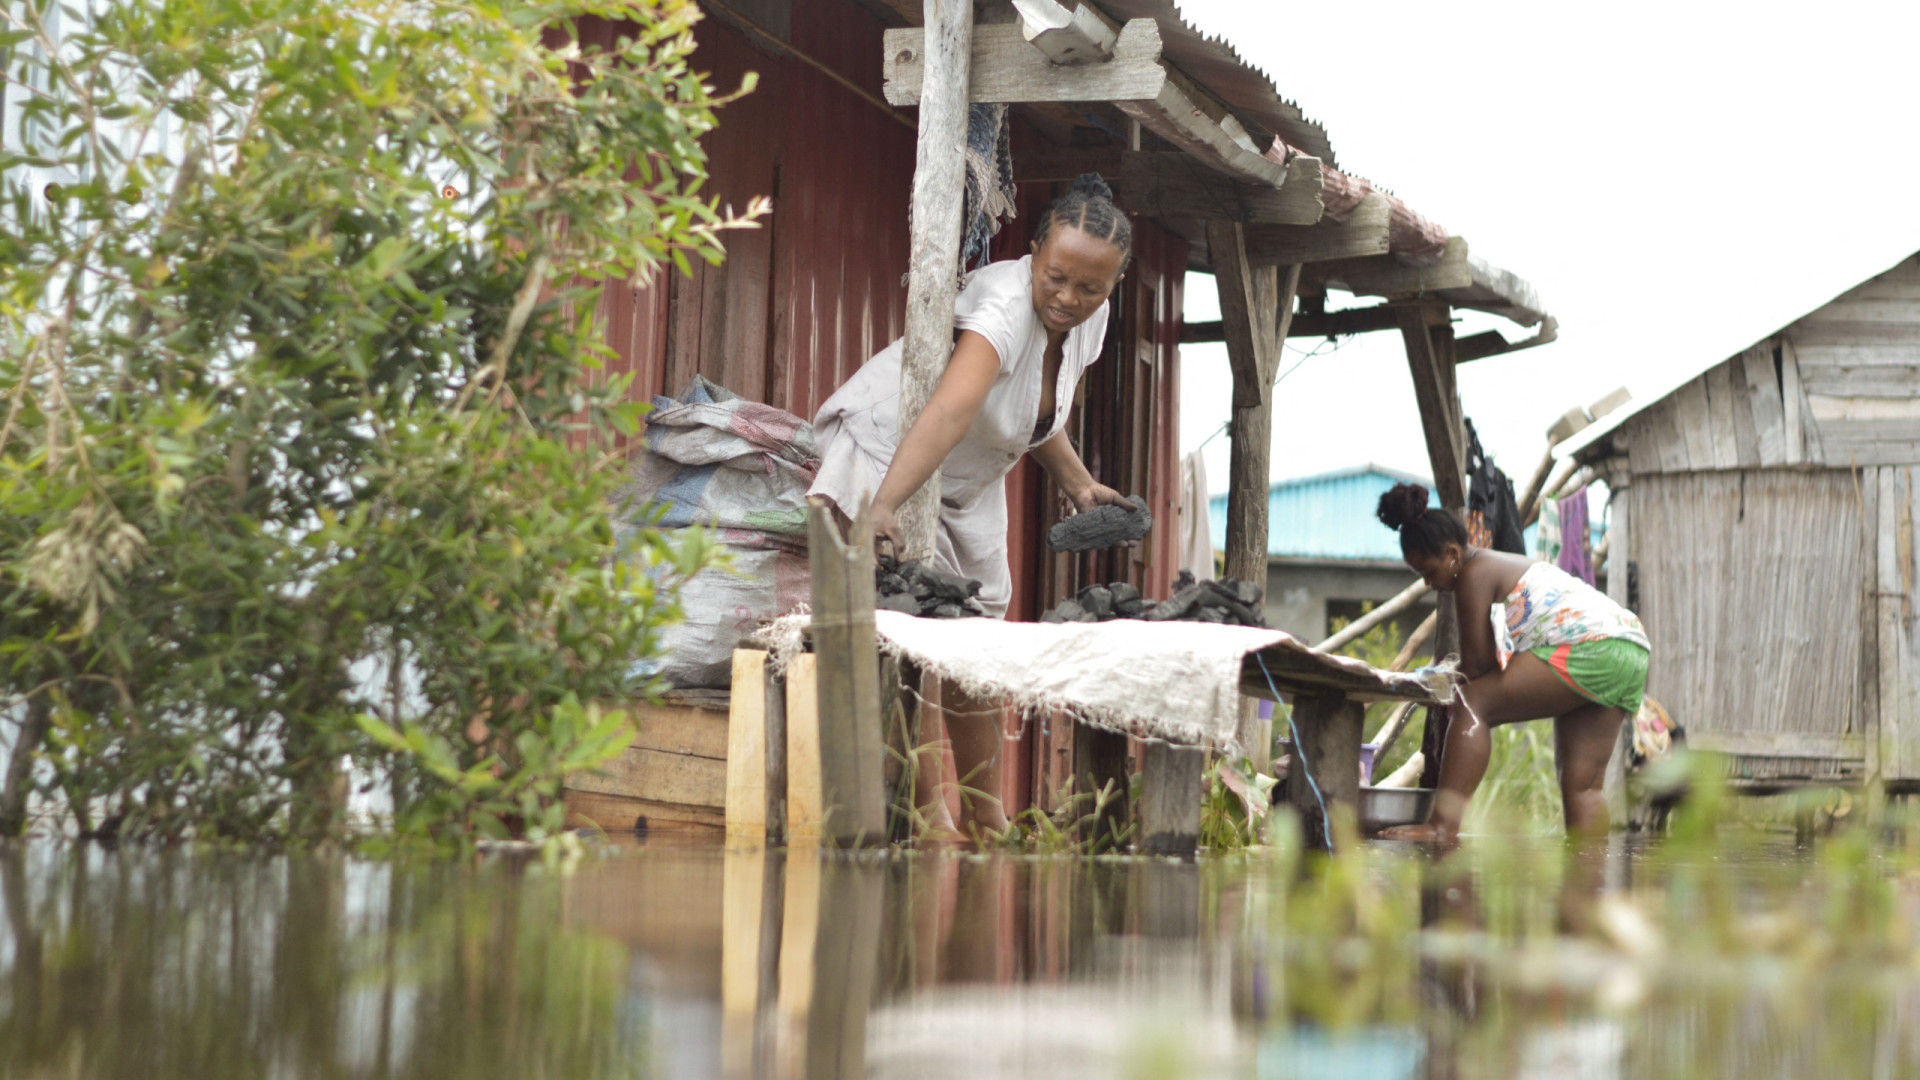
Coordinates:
[852,123]
[1763,515]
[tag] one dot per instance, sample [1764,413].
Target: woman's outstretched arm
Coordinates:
[950,412]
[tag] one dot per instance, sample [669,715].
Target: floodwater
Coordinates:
[671,959]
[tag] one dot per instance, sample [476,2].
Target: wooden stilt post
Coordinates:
[1256,311]
[939,185]
[1329,752]
[1170,797]
[1430,360]
[1619,558]
[847,667]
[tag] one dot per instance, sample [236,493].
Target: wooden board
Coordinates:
[1899,660]
[1695,420]
[1004,68]
[747,748]
[1387,275]
[1170,796]
[1329,728]
[1362,235]
[806,802]
[1763,399]
[626,814]
[662,777]
[1720,407]
[1177,185]
[1746,437]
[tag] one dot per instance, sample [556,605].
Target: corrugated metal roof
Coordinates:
[1329,516]
[1214,64]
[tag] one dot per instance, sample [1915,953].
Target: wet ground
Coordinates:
[680,960]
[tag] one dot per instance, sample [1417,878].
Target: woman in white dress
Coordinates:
[1026,329]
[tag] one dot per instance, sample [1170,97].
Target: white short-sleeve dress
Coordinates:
[858,427]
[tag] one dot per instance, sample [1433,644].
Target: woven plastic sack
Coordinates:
[742,469]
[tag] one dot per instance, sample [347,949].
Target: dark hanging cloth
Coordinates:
[990,190]
[1490,498]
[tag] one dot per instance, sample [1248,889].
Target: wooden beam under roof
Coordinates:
[1325,324]
[1008,69]
[1493,343]
[1169,184]
[1387,275]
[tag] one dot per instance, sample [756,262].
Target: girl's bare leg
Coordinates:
[973,726]
[1526,690]
[1583,743]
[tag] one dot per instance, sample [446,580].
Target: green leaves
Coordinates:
[266,505]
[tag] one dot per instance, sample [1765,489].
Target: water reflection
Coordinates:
[687,961]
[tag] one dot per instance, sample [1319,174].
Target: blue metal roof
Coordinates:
[1329,516]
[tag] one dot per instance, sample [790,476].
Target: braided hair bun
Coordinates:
[1402,506]
[1092,186]
[1424,530]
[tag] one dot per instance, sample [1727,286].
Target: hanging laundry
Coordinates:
[990,190]
[1546,532]
[1490,501]
[1574,538]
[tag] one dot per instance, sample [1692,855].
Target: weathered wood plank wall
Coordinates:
[1750,588]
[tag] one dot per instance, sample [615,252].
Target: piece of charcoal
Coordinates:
[897,602]
[1226,597]
[1208,614]
[1097,600]
[1123,592]
[1183,581]
[1178,605]
[949,611]
[1102,527]
[1249,593]
[939,583]
[1071,611]
[1129,609]
[1052,616]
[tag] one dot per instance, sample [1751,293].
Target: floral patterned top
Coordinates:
[1549,606]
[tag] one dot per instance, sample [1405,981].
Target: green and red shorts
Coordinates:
[1612,671]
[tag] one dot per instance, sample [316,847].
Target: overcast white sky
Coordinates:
[1677,179]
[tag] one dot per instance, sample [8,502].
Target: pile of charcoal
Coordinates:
[918,589]
[1231,601]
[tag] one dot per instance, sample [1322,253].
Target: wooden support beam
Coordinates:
[939,192]
[1007,69]
[1256,305]
[806,800]
[1066,36]
[847,655]
[747,753]
[1170,796]
[1430,361]
[1329,727]
[1169,184]
[1362,235]
[1327,324]
[1386,275]
[1493,343]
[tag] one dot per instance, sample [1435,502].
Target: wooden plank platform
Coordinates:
[673,777]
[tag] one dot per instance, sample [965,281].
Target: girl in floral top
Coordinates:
[1577,657]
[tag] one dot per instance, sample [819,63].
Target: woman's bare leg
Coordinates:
[1526,690]
[1583,743]
[973,726]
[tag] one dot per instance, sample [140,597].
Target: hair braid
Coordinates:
[1088,206]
